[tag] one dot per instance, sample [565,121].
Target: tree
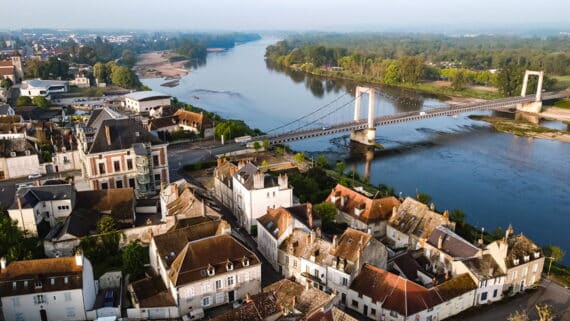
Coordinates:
[6,83]
[231,129]
[544,312]
[386,190]
[459,81]
[327,211]
[554,253]
[340,167]
[16,244]
[264,166]
[100,72]
[134,258]
[509,79]
[322,161]
[300,158]
[423,197]
[256,145]
[106,224]
[23,101]
[458,216]
[124,77]
[40,101]
[266,144]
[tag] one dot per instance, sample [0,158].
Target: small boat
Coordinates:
[196,97]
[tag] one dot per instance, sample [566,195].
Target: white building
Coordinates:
[47,289]
[487,273]
[34,205]
[150,102]
[44,88]
[255,192]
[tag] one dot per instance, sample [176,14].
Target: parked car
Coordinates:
[34,176]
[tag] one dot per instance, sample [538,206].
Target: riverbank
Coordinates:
[158,64]
[556,113]
[524,128]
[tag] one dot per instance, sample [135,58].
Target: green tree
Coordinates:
[266,144]
[100,72]
[23,101]
[134,258]
[340,167]
[322,161]
[392,75]
[554,253]
[40,101]
[300,158]
[15,244]
[459,81]
[124,77]
[509,79]
[386,190]
[128,58]
[327,211]
[231,129]
[423,197]
[6,83]
[264,166]
[106,224]
[458,216]
[256,145]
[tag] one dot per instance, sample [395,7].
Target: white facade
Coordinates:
[19,166]
[67,161]
[44,88]
[146,102]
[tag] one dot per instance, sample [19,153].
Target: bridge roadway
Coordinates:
[498,104]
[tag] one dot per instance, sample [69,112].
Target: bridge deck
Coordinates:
[498,104]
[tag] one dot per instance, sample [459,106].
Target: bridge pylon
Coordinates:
[536,105]
[365,136]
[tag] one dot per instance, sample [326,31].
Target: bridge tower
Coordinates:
[365,136]
[536,105]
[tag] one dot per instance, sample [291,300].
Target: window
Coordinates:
[514,275]
[132,182]
[316,273]
[373,311]
[129,164]
[355,303]
[67,296]
[525,271]
[495,293]
[117,166]
[104,185]
[66,280]
[13,285]
[344,281]
[119,184]
[25,284]
[484,296]
[206,301]
[101,168]
[394,314]
[52,281]
[273,194]
[155,160]
[218,284]
[534,267]
[230,280]
[38,285]
[70,312]
[39,299]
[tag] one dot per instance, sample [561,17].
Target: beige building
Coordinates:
[148,102]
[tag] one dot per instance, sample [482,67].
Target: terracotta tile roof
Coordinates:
[6,71]
[213,252]
[304,213]
[294,296]
[162,122]
[457,286]
[192,119]
[299,245]
[6,63]
[519,247]
[276,221]
[170,244]
[415,218]
[41,270]
[373,210]
[332,314]
[108,199]
[349,243]
[152,293]
[396,293]
[257,307]
[484,267]
[451,243]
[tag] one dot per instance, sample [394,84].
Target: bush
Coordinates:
[23,101]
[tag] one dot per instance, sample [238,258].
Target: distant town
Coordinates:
[124,203]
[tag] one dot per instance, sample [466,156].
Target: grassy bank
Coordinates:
[524,128]
[562,82]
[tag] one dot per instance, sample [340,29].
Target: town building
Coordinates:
[6,110]
[259,307]
[223,179]
[147,102]
[118,151]
[181,199]
[47,289]
[195,122]
[43,88]
[18,158]
[278,224]
[361,211]
[12,69]
[413,222]
[254,192]
[487,273]
[300,302]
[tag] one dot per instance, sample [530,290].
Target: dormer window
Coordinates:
[536,255]
[52,281]
[25,284]
[229,266]
[245,261]
[210,270]
[38,285]
[66,280]
[14,285]
[526,258]
[516,261]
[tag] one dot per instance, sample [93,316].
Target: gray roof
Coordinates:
[98,115]
[146,95]
[30,196]
[43,83]
[124,133]
[4,108]
[484,267]
[452,244]
[248,171]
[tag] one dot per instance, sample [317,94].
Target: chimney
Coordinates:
[358,257]
[440,242]
[2,264]
[219,162]
[312,236]
[310,214]
[108,134]
[343,200]
[509,231]
[446,214]
[247,298]
[174,190]
[38,183]
[79,258]
[432,206]
[258,180]
[283,181]
[19,202]
[334,240]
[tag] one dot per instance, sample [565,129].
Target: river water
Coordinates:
[497,179]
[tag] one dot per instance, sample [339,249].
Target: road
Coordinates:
[549,293]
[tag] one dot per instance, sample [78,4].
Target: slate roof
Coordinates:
[195,258]
[452,244]
[162,122]
[30,196]
[146,95]
[302,212]
[80,223]
[4,108]
[397,294]
[245,176]
[415,218]
[152,293]
[124,133]
[373,210]
[108,199]
[99,115]
[409,266]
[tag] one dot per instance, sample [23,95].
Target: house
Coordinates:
[159,126]
[380,295]
[38,209]
[47,289]
[43,88]
[413,222]
[521,258]
[202,272]
[117,151]
[18,158]
[181,199]
[195,122]
[150,299]
[148,102]
[223,178]
[81,81]
[458,295]
[488,275]
[332,314]
[275,226]
[258,307]
[299,301]
[12,69]
[254,192]
[361,211]
[6,110]
[117,202]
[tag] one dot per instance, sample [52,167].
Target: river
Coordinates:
[497,179]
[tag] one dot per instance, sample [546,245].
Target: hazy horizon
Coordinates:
[294,15]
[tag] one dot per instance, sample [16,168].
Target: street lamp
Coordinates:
[550,264]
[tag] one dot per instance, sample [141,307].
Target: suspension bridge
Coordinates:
[364,130]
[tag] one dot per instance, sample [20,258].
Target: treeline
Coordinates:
[115,74]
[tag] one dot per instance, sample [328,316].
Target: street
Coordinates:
[549,293]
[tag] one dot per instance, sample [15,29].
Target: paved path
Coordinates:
[549,293]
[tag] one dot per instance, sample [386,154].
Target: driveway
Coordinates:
[549,293]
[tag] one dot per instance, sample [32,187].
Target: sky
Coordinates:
[243,15]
